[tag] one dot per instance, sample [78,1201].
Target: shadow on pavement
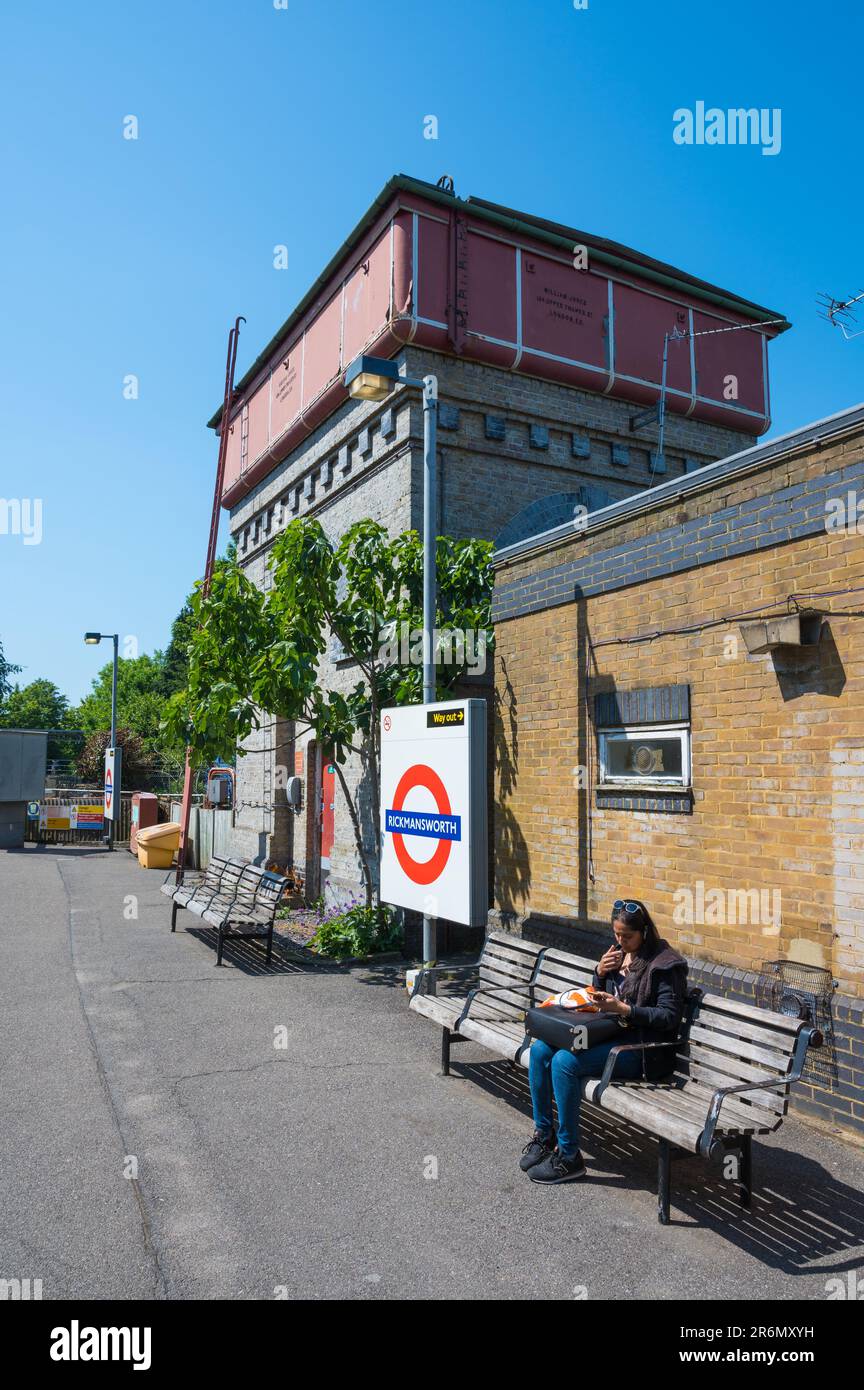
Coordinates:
[800,1212]
[390,974]
[249,956]
[66,851]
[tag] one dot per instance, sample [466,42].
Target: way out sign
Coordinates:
[113,758]
[433,810]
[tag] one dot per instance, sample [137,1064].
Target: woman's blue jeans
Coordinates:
[562,1072]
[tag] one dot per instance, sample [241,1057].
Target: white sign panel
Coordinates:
[433,810]
[113,759]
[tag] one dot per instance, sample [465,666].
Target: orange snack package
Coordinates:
[578,999]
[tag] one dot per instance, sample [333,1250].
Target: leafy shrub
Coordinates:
[358,931]
[91,759]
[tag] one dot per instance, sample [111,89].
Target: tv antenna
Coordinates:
[841,313]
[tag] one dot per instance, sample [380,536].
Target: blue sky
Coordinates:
[261,126]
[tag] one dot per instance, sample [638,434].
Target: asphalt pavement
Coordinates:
[174,1130]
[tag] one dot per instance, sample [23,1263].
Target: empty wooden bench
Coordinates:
[204,885]
[239,900]
[733,1063]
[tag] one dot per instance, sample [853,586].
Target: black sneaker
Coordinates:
[540,1146]
[558,1169]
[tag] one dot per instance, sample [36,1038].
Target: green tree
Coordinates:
[39,705]
[252,651]
[7,670]
[136,766]
[140,702]
[175,660]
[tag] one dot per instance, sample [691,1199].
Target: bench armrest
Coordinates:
[271,905]
[430,974]
[628,1047]
[808,1037]
[184,875]
[765,1084]
[483,990]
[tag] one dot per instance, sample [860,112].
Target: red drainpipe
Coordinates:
[211,560]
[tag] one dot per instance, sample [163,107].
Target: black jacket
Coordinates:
[657,1021]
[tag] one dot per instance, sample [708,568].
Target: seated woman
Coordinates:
[643,981]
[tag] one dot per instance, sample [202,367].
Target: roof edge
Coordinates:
[649,499]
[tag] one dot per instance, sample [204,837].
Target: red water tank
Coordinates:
[145,812]
[492,285]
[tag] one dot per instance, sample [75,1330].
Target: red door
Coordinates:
[328,801]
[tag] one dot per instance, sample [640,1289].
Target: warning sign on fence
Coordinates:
[71,816]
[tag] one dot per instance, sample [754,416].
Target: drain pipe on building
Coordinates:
[231,362]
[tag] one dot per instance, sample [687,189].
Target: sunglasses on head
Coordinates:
[620,908]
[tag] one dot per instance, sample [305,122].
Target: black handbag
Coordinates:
[573,1029]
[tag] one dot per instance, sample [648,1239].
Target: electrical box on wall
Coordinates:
[294,791]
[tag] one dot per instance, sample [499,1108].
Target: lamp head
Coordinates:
[371,378]
[92,639]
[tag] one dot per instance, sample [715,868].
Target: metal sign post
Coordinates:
[430,588]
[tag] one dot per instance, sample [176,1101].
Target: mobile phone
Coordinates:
[615,947]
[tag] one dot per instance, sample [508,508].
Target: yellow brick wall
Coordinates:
[778,768]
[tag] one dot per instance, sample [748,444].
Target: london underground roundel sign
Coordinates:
[433,810]
[441,824]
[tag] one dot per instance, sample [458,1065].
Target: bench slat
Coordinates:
[736,1047]
[722,1005]
[557,979]
[504,942]
[626,1102]
[568,959]
[497,1038]
[502,955]
[444,1012]
[502,970]
[743,1028]
[713,1076]
[737,1105]
[694,1105]
[672,1115]
[508,1003]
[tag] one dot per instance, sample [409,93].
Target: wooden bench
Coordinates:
[734,1068]
[733,1064]
[510,976]
[239,900]
[203,886]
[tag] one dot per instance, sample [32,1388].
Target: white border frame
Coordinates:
[633,732]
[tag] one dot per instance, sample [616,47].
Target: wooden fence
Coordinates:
[209,833]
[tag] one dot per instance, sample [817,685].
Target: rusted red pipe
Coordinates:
[230,364]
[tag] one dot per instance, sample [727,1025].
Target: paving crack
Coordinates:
[282,1062]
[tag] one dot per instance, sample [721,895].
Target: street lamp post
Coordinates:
[372,379]
[92,639]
